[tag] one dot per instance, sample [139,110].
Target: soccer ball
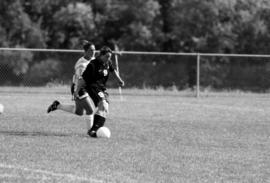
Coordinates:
[1,108]
[103,132]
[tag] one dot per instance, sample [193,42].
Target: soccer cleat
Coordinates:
[92,133]
[53,106]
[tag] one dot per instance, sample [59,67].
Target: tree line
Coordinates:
[211,26]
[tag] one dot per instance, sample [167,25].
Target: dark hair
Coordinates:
[104,50]
[86,45]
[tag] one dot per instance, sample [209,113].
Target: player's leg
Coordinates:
[99,117]
[67,108]
[89,122]
[88,105]
[74,109]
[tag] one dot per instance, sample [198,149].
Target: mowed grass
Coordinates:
[157,136]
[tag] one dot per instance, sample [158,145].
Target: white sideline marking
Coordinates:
[8,176]
[69,176]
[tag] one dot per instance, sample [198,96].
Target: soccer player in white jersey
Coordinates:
[80,107]
[81,64]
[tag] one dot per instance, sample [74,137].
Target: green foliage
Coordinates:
[72,23]
[213,26]
[236,26]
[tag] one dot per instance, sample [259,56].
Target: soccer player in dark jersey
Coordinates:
[95,77]
[91,89]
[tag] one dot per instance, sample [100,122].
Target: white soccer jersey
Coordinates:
[79,68]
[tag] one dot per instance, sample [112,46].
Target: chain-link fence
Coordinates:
[36,68]
[28,67]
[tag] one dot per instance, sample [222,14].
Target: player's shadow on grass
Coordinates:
[39,134]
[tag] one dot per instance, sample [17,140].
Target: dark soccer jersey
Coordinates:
[96,74]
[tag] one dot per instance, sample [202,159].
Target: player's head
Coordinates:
[89,48]
[106,53]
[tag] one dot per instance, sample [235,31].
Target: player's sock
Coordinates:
[98,122]
[67,108]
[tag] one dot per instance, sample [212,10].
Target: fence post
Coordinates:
[198,76]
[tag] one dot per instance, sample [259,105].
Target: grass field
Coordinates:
[157,136]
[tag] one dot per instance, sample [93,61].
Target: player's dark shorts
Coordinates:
[97,95]
[82,92]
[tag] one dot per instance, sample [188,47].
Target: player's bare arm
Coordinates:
[119,79]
